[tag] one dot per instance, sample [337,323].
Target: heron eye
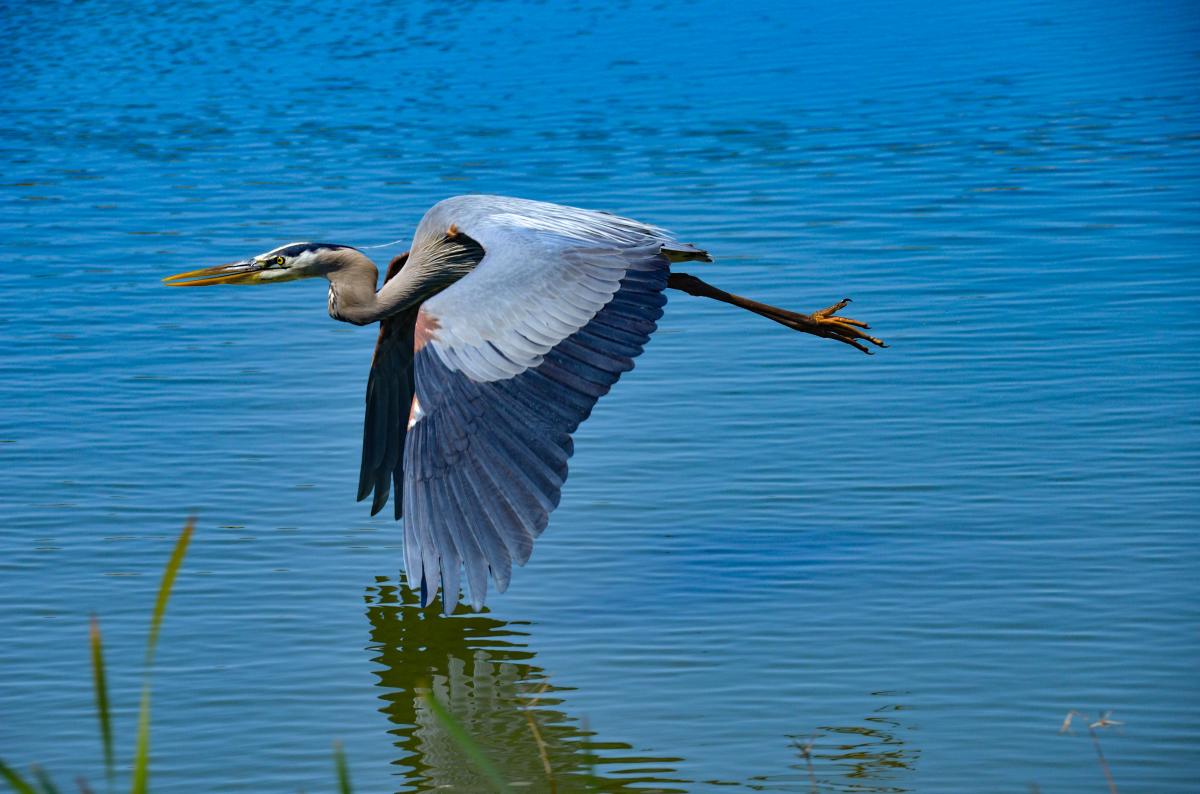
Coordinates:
[279,261]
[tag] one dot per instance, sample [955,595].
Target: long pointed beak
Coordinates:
[245,272]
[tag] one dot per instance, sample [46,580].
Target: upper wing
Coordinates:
[508,361]
[389,397]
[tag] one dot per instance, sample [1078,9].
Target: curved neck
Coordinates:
[352,296]
[433,265]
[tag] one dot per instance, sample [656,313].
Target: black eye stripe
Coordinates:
[294,250]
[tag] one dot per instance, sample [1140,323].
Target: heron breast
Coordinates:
[333,303]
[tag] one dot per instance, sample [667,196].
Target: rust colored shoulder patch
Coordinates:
[426,329]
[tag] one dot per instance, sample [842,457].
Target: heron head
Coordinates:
[285,263]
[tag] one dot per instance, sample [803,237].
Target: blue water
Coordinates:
[918,561]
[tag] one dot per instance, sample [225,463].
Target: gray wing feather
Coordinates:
[486,462]
[547,270]
[518,352]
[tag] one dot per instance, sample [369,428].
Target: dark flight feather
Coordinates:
[388,400]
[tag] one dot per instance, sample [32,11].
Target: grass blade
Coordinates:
[343,773]
[15,780]
[100,685]
[141,756]
[43,779]
[465,743]
[164,589]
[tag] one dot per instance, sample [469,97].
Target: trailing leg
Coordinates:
[824,322]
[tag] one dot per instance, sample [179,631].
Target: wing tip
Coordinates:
[383,489]
[378,502]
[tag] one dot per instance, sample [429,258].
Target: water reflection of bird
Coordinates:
[481,670]
[499,331]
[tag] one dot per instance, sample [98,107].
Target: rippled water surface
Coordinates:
[918,561]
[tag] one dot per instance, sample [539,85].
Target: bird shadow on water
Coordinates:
[483,676]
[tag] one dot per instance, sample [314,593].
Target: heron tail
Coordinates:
[684,252]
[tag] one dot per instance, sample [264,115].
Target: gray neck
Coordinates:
[352,279]
[432,266]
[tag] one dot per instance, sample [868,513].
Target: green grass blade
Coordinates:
[343,773]
[141,756]
[164,589]
[100,685]
[43,779]
[15,780]
[465,743]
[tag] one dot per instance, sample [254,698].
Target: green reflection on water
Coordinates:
[483,672]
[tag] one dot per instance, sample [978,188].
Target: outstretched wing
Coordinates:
[508,362]
[389,397]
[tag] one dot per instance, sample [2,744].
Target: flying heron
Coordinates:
[499,330]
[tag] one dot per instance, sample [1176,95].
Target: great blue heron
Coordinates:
[499,330]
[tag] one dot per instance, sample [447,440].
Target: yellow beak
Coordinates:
[246,272]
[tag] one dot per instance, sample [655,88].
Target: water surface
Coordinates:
[918,561]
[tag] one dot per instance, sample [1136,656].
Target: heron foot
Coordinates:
[826,323]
